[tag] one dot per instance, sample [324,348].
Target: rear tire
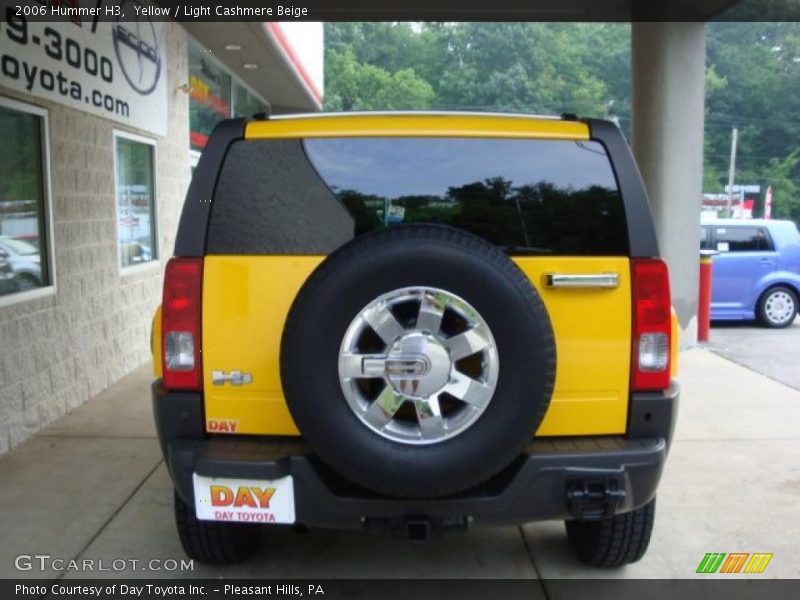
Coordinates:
[777,307]
[613,542]
[211,542]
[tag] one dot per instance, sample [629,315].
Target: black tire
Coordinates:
[211,542]
[613,542]
[763,315]
[407,256]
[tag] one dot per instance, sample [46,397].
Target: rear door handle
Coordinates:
[578,280]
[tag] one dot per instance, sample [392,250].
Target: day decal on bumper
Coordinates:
[244,500]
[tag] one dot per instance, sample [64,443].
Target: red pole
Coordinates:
[704,300]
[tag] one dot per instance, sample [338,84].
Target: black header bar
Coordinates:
[402,10]
[401,589]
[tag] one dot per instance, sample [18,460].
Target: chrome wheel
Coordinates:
[418,365]
[779,307]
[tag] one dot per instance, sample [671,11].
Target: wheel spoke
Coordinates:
[381,319]
[468,390]
[431,311]
[362,366]
[381,411]
[429,416]
[468,343]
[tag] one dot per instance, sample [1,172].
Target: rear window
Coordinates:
[530,197]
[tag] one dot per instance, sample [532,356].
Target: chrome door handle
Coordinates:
[600,280]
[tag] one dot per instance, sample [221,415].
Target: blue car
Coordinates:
[756,271]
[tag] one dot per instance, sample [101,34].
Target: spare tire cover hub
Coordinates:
[418,367]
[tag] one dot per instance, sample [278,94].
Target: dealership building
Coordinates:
[101,125]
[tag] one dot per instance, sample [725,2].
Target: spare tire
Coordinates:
[418,361]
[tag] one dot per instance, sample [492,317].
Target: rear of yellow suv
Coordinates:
[415,323]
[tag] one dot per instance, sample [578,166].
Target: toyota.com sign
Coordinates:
[112,68]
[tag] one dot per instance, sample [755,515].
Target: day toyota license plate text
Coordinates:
[244,500]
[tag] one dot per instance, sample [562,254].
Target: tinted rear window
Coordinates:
[529,197]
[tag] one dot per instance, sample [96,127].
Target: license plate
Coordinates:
[244,500]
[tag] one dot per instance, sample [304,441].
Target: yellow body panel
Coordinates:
[246,300]
[592,329]
[245,303]
[419,125]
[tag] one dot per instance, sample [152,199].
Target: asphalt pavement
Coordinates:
[771,352]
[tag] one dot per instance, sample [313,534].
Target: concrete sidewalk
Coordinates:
[93,486]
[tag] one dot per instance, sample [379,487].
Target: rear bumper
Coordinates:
[555,478]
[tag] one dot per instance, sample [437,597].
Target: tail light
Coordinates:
[180,324]
[652,325]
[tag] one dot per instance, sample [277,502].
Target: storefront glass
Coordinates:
[23,256]
[214,95]
[135,202]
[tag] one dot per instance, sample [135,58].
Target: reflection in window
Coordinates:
[705,238]
[23,256]
[135,202]
[742,239]
[526,196]
[245,103]
[214,95]
[209,96]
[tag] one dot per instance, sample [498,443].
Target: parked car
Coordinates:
[362,331]
[756,271]
[132,253]
[24,260]
[8,282]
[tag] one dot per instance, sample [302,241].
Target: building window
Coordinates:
[214,95]
[246,103]
[24,251]
[135,185]
[209,98]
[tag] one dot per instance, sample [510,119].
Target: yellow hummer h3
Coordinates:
[417,323]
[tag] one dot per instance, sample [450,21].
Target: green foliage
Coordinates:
[529,67]
[780,175]
[752,82]
[20,156]
[359,86]
[760,63]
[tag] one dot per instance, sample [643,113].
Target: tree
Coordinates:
[357,86]
[785,198]
[752,81]
[760,63]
